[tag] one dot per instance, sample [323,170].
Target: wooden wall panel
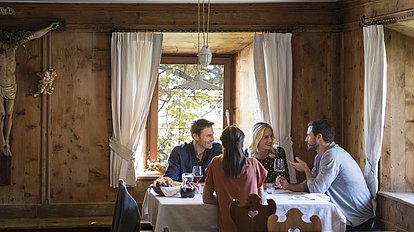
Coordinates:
[25,173]
[398,159]
[394,215]
[409,114]
[245,94]
[81,118]
[315,85]
[352,10]
[352,90]
[107,17]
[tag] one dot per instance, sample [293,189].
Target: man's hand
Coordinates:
[301,166]
[281,182]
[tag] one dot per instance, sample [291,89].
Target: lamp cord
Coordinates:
[208,20]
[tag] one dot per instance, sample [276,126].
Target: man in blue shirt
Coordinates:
[336,174]
[199,152]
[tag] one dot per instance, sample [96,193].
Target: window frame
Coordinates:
[228,97]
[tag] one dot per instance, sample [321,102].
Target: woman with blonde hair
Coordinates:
[262,147]
[232,176]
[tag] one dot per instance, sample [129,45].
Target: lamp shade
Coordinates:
[204,56]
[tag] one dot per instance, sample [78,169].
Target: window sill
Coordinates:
[149,175]
[404,198]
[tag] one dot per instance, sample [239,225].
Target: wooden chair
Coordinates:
[294,220]
[126,216]
[252,216]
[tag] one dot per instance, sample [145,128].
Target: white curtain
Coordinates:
[135,60]
[375,86]
[273,75]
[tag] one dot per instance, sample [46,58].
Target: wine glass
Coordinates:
[197,173]
[279,166]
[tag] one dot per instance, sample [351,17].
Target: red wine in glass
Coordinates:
[197,178]
[197,173]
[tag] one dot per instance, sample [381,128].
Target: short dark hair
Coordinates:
[198,125]
[324,127]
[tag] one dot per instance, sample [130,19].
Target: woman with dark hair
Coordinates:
[232,176]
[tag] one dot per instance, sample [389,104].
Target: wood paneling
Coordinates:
[73,176]
[81,118]
[352,89]
[315,85]
[181,16]
[394,214]
[398,158]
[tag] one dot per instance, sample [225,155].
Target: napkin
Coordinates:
[282,191]
[312,196]
[170,191]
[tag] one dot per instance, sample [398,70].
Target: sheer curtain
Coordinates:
[135,59]
[273,75]
[375,85]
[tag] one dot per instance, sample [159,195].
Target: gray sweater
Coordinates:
[339,176]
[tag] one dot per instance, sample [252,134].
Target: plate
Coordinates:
[167,191]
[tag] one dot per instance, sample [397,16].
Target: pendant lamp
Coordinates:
[204,54]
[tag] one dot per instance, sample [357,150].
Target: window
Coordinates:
[172,110]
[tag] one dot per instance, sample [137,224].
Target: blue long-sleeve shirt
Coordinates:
[339,176]
[183,158]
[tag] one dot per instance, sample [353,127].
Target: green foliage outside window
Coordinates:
[178,108]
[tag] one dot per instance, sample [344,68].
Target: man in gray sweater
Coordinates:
[336,174]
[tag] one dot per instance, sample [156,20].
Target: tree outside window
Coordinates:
[178,108]
[173,110]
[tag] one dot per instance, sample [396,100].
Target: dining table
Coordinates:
[174,213]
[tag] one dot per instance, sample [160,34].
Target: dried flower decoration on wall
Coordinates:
[46,82]
[7,11]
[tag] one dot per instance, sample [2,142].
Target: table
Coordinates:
[190,214]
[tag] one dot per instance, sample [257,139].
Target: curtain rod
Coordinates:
[211,31]
[389,19]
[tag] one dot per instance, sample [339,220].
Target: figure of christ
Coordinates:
[8,85]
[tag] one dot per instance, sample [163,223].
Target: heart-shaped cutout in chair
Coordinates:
[252,213]
[251,217]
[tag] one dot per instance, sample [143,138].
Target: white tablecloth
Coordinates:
[190,214]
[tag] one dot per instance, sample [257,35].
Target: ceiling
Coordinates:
[404,27]
[219,43]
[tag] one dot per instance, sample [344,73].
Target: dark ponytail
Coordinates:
[232,140]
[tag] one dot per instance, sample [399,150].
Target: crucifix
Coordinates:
[10,41]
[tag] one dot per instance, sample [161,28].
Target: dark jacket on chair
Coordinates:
[126,216]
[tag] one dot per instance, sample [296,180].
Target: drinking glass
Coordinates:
[279,166]
[197,173]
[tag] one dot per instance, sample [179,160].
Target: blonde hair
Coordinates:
[258,131]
